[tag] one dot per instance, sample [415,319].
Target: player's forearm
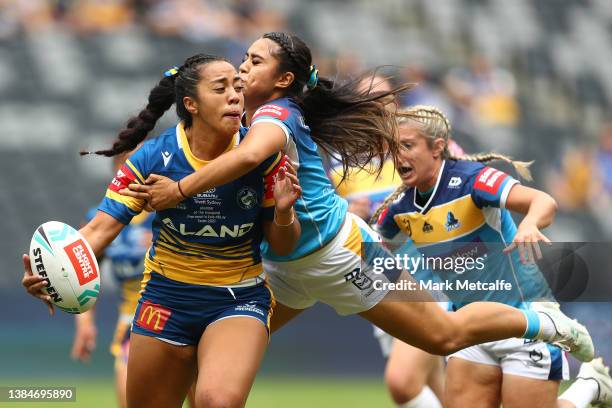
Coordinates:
[101,231]
[224,169]
[541,210]
[284,233]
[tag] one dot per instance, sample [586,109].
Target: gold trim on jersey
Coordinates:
[464,210]
[141,180]
[195,162]
[132,203]
[196,271]
[354,239]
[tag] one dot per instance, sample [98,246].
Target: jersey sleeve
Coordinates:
[271,168]
[386,225]
[491,187]
[120,207]
[275,114]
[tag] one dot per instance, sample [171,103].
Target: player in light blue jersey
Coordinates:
[450,207]
[204,307]
[290,109]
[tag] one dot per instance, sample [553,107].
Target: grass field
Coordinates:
[268,392]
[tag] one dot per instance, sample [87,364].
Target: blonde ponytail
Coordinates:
[390,198]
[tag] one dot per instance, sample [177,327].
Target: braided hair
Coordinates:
[176,84]
[349,123]
[434,125]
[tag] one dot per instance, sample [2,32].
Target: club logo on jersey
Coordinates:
[274,111]
[489,180]
[123,178]
[454,182]
[82,261]
[427,227]
[405,225]
[153,316]
[359,279]
[246,198]
[452,223]
[166,156]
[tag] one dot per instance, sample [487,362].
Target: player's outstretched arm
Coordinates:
[262,141]
[539,209]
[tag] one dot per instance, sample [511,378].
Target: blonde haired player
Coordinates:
[460,201]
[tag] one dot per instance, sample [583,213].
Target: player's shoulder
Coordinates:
[283,109]
[464,168]
[157,152]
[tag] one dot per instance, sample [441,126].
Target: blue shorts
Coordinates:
[178,313]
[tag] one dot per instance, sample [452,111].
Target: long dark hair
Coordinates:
[171,89]
[349,123]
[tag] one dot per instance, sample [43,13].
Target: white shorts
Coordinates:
[332,275]
[386,340]
[522,357]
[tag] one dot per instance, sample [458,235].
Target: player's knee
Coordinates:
[218,398]
[403,387]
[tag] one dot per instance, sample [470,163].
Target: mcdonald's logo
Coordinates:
[153,316]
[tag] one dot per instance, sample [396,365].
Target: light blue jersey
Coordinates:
[320,210]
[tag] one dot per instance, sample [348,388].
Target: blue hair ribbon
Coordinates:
[313,77]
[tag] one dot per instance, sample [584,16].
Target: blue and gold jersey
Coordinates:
[465,216]
[320,210]
[127,252]
[212,238]
[375,187]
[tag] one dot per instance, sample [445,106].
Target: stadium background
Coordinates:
[530,79]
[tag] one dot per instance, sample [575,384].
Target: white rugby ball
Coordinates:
[59,253]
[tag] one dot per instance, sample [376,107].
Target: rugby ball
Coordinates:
[59,253]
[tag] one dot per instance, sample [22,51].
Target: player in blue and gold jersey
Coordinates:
[451,207]
[204,307]
[290,109]
[124,257]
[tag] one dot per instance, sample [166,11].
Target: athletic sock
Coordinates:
[425,399]
[538,325]
[582,392]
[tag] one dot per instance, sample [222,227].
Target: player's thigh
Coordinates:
[229,354]
[281,315]
[473,385]
[421,324]
[159,374]
[408,367]
[519,392]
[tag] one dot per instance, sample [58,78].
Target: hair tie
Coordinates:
[171,72]
[313,77]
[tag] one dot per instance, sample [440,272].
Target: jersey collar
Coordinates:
[433,193]
[183,144]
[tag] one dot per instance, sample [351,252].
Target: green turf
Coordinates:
[268,392]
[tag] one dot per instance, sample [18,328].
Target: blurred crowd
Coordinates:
[481,98]
[193,19]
